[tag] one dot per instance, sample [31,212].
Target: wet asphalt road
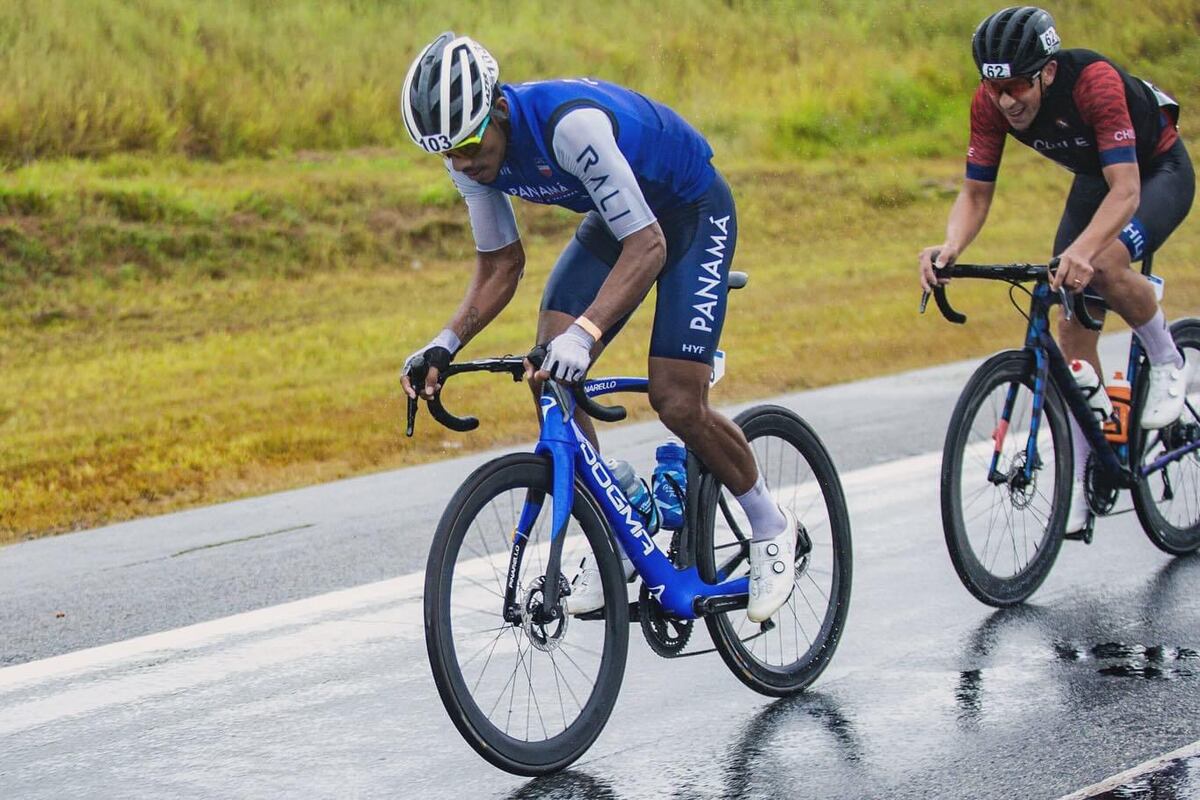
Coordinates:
[930,694]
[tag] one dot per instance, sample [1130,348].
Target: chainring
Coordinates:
[1099,487]
[666,636]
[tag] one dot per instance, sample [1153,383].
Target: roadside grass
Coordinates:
[176,332]
[218,80]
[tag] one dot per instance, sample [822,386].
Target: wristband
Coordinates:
[589,327]
[447,339]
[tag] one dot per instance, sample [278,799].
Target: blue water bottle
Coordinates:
[635,490]
[670,483]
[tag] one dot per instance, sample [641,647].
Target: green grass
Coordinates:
[221,79]
[216,246]
[246,333]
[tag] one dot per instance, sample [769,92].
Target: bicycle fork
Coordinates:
[554,442]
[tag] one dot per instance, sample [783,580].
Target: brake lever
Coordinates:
[416,378]
[412,416]
[1066,303]
[925,293]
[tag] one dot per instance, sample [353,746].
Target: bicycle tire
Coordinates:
[827,524]
[980,578]
[1173,526]
[519,473]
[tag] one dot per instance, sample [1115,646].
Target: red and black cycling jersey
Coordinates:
[1094,114]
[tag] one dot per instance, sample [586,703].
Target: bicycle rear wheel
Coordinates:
[1168,501]
[1004,534]
[530,698]
[789,651]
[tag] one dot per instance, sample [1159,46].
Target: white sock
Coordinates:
[1079,444]
[1155,336]
[766,520]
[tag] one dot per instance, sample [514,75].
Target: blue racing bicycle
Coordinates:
[529,686]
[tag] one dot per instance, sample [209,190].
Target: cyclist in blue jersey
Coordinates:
[1133,185]
[656,212]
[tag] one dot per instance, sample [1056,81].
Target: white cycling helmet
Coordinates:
[448,92]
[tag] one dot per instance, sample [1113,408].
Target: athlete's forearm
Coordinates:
[969,213]
[642,257]
[492,287]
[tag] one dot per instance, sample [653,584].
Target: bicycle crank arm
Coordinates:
[598,614]
[719,604]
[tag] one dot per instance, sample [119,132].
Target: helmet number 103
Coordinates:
[436,144]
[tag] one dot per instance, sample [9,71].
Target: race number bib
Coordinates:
[1049,40]
[1163,99]
[718,368]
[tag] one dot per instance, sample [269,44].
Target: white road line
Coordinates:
[85,681]
[1153,765]
[202,634]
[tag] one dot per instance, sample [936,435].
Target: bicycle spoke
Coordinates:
[487,661]
[517,684]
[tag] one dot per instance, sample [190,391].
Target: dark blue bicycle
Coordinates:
[529,686]
[1007,468]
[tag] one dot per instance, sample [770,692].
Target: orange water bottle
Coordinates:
[1116,430]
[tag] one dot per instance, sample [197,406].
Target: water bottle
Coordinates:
[1089,383]
[670,483]
[636,492]
[1116,430]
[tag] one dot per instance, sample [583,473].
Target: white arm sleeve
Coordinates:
[584,146]
[490,210]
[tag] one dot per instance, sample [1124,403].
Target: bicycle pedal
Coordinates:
[1084,534]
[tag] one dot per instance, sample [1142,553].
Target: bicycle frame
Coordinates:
[1051,364]
[680,591]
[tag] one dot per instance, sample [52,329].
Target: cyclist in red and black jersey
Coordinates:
[1133,185]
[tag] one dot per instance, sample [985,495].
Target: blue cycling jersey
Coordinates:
[626,162]
[668,157]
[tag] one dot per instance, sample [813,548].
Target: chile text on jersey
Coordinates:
[1094,114]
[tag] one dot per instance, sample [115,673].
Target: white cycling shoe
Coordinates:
[587,588]
[772,571]
[1165,395]
[1077,517]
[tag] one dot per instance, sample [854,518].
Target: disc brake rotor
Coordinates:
[545,635]
[1021,490]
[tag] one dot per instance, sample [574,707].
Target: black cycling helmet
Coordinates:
[1014,41]
[448,91]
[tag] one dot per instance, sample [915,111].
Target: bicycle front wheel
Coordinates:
[529,696]
[1168,501]
[1004,527]
[788,652]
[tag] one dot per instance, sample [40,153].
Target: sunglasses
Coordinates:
[469,147]
[1013,87]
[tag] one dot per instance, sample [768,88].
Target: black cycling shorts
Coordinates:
[1168,187]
